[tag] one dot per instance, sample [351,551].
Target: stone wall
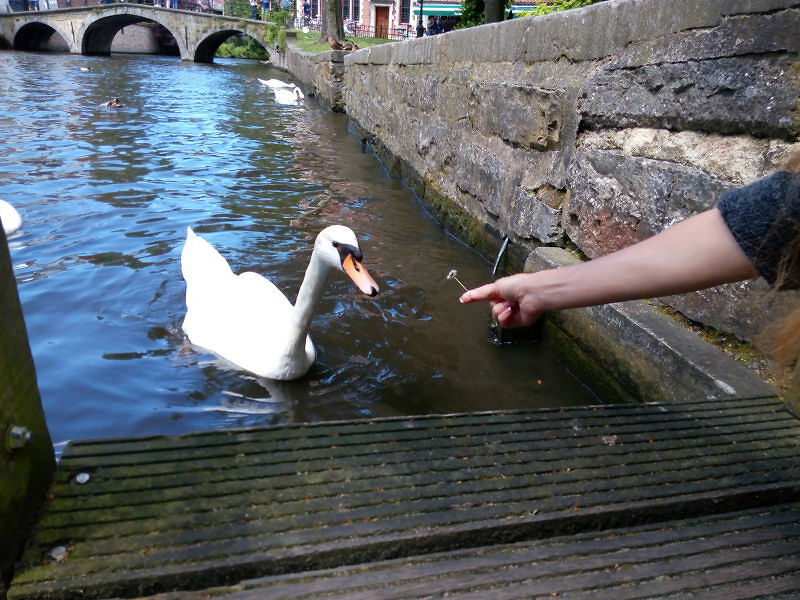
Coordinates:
[599,126]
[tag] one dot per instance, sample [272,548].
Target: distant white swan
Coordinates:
[10,217]
[275,83]
[248,321]
[285,93]
[289,96]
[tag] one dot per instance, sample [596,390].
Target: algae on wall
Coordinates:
[26,456]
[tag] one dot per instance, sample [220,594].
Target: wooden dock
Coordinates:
[624,501]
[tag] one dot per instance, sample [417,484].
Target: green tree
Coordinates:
[478,12]
[471,13]
[545,8]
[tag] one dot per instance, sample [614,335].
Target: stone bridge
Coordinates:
[91,30]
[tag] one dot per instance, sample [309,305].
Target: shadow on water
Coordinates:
[106,197]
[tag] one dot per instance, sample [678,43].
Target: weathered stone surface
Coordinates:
[617,200]
[452,100]
[413,51]
[738,159]
[380,55]
[744,309]
[535,217]
[521,115]
[750,94]
[735,7]
[607,28]
[479,174]
[737,36]
[494,43]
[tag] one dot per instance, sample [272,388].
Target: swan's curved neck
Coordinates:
[310,292]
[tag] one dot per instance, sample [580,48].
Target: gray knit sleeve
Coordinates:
[763,218]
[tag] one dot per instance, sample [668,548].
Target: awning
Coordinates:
[446,10]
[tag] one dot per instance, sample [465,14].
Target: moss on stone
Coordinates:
[582,365]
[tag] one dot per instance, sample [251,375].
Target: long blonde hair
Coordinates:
[782,340]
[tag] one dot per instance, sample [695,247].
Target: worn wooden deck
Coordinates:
[598,502]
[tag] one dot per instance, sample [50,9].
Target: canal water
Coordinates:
[106,196]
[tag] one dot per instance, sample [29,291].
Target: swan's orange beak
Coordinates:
[358,273]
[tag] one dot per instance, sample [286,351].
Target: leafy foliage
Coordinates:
[237,8]
[241,47]
[274,28]
[471,13]
[545,8]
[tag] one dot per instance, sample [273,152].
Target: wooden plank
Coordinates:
[747,554]
[216,507]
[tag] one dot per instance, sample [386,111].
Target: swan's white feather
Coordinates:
[243,318]
[10,217]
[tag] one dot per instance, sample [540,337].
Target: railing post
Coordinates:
[26,452]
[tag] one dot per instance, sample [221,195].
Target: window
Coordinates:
[405,11]
[351,7]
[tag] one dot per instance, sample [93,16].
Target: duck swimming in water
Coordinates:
[248,321]
[115,103]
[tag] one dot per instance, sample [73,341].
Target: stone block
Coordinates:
[738,36]
[598,31]
[744,309]
[491,43]
[735,7]
[535,218]
[521,115]
[453,96]
[380,55]
[618,200]
[739,159]
[747,94]
[415,51]
[479,174]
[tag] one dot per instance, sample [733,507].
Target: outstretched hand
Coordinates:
[697,253]
[513,302]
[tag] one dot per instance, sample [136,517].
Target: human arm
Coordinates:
[697,253]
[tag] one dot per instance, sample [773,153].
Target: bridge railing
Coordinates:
[354,28]
[215,6]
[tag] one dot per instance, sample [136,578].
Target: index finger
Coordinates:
[485,292]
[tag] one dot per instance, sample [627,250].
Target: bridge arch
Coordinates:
[207,46]
[91,30]
[41,36]
[98,31]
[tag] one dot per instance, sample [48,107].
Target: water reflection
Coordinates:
[107,195]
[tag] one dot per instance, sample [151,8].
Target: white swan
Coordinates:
[290,96]
[246,320]
[275,83]
[10,217]
[285,93]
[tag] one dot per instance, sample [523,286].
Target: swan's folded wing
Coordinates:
[201,263]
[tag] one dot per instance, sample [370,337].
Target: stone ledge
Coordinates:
[649,355]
